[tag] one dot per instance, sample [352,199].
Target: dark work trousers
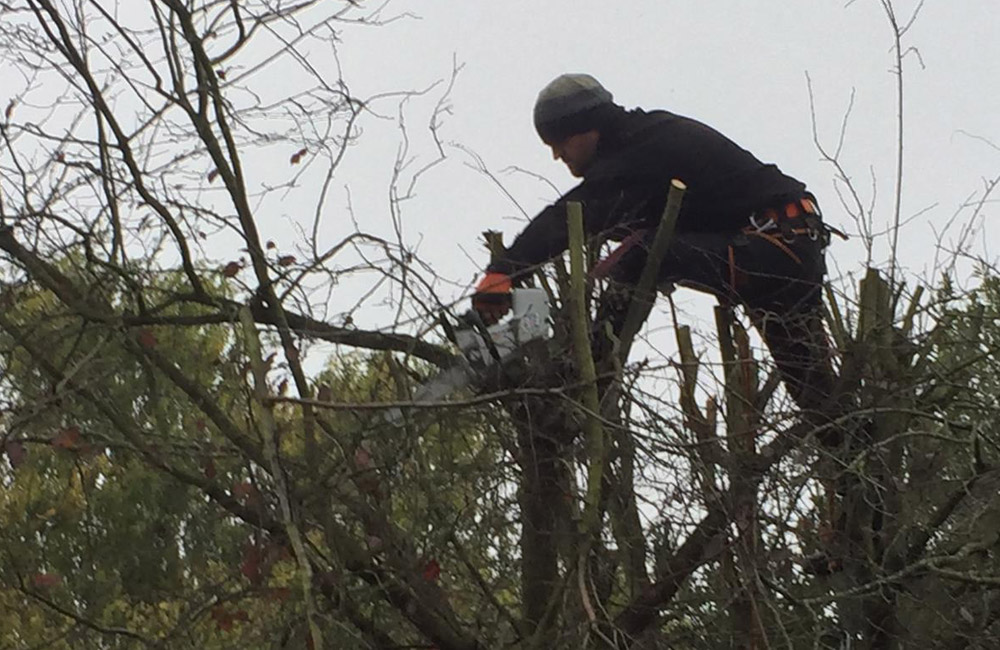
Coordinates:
[778,282]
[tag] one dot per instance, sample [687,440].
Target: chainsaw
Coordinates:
[482,347]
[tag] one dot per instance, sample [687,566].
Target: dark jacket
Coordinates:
[625,188]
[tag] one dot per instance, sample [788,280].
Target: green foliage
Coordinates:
[97,534]
[110,518]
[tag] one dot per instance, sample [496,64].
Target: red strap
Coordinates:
[603,268]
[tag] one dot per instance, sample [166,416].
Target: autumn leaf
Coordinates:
[251,564]
[67,438]
[278,594]
[231,269]
[223,618]
[212,175]
[432,571]
[367,479]
[208,467]
[270,245]
[16,453]
[259,558]
[10,109]
[146,338]
[46,580]
[246,492]
[297,156]
[286,260]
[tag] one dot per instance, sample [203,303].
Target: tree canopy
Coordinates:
[196,452]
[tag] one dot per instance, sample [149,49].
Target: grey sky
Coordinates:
[738,65]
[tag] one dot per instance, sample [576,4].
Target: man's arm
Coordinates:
[604,206]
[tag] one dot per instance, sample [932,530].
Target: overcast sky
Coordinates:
[737,65]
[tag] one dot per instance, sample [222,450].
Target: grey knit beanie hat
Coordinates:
[570,104]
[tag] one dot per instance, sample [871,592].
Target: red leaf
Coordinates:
[362,459]
[223,619]
[68,438]
[271,245]
[212,175]
[250,566]
[432,571]
[16,453]
[286,260]
[367,478]
[146,338]
[297,156]
[231,269]
[89,451]
[46,580]
[246,492]
[278,594]
[10,109]
[221,73]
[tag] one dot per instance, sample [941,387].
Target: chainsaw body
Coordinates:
[481,347]
[529,321]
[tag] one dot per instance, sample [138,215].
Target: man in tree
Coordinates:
[747,232]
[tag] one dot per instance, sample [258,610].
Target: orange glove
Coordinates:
[492,299]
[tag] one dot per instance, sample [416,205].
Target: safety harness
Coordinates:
[801,217]
[778,225]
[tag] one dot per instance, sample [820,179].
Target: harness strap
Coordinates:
[801,207]
[603,268]
[784,218]
[777,242]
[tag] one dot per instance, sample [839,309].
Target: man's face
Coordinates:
[577,151]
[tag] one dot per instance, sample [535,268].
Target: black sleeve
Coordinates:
[605,204]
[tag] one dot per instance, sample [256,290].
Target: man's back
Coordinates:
[726,183]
